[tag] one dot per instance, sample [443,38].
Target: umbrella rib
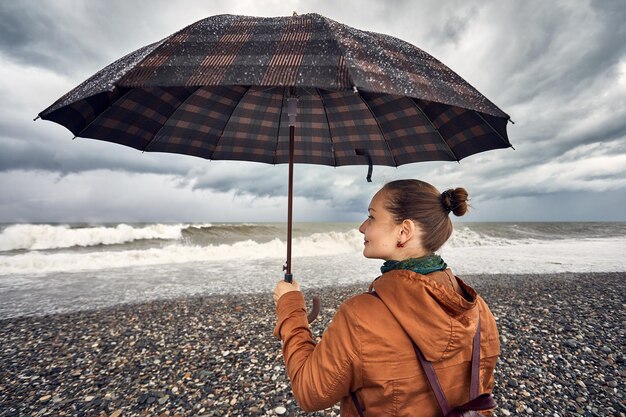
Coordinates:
[280,118]
[435,129]
[219,138]
[145,148]
[382,133]
[494,129]
[102,112]
[330,133]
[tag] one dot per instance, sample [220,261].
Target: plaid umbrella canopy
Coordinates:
[240,88]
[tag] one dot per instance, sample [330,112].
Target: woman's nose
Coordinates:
[362,227]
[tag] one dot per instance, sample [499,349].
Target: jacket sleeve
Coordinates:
[320,374]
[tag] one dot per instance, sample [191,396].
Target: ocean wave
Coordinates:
[464,237]
[50,237]
[319,244]
[228,233]
[45,236]
[28,237]
[230,227]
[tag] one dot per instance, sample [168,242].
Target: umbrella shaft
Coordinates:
[288,276]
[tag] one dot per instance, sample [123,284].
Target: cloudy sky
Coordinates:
[558,68]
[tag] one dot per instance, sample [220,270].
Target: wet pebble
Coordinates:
[562,353]
[560,330]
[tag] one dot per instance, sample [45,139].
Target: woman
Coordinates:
[367,347]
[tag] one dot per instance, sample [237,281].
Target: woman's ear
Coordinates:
[408,229]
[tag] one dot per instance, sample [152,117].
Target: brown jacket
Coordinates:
[366,347]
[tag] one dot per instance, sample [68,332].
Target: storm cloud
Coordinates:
[558,68]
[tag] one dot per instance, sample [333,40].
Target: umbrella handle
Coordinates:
[315,309]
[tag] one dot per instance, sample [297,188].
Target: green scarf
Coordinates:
[423,265]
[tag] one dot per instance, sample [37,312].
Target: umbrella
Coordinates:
[239,88]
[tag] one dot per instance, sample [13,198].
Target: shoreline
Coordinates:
[498,279]
[214,355]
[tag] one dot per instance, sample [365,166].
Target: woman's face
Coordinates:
[380,231]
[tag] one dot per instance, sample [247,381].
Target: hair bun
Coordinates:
[455,201]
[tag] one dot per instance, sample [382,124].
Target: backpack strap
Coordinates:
[475,375]
[434,381]
[357,405]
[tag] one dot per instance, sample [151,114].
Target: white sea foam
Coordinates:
[42,237]
[464,237]
[42,282]
[319,244]
[540,257]
[51,237]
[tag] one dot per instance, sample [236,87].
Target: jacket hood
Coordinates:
[436,317]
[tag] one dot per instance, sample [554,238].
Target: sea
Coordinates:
[58,268]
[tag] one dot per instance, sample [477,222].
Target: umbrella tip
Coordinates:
[35,119]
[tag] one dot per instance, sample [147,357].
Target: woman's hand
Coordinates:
[284,287]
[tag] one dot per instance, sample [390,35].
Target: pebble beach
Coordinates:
[562,337]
